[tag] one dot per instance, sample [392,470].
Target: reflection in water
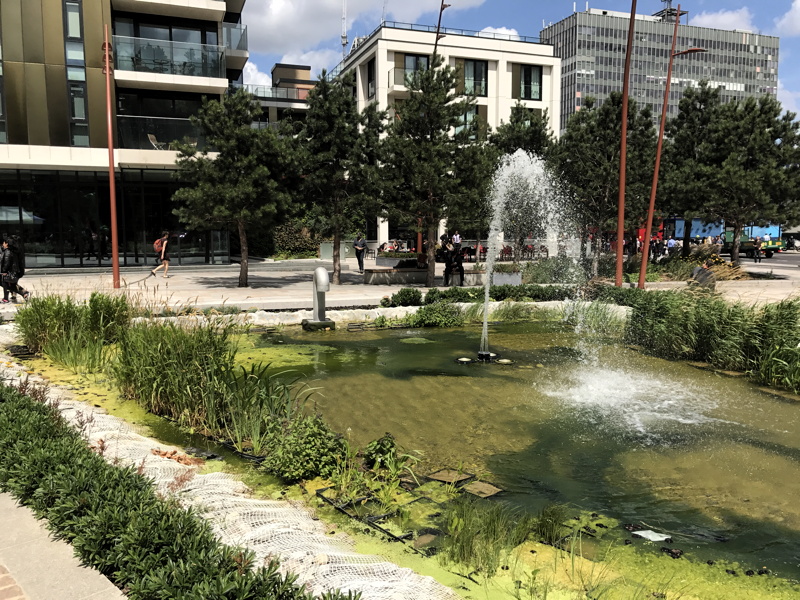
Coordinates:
[704,457]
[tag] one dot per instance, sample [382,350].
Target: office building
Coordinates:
[498,69]
[54,183]
[592,47]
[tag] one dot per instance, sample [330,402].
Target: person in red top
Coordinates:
[162,254]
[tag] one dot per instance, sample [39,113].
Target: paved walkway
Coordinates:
[33,566]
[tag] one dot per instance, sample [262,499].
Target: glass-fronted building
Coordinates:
[592,46]
[54,181]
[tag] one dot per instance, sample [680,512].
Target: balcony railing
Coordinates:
[265,92]
[234,36]
[156,133]
[398,76]
[174,58]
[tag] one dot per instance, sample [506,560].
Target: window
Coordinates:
[475,72]
[530,82]
[371,78]
[76,73]
[469,117]
[73,24]
[416,62]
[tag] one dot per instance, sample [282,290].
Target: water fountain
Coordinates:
[525,200]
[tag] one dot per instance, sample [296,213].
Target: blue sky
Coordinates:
[308,31]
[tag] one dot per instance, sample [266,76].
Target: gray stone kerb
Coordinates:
[289,318]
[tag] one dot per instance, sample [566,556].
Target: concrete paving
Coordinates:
[34,566]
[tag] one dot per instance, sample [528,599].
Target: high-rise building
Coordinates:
[54,185]
[592,46]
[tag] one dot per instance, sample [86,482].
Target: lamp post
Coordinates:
[623,146]
[651,209]
[112,183]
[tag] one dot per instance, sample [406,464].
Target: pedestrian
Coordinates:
[457,242]
[360,246]
[670,246]
[767,238]
[162,254]
[757,250]
[447,256]
[458,267]
[12,269]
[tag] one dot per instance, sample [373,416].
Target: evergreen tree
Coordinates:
[751,166]
[684,179]
[435,165]
[341,150]
[526,129]
[246,183]
[587,157]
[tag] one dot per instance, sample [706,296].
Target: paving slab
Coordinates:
[35,566]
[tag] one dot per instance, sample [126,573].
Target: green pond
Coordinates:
[711,460]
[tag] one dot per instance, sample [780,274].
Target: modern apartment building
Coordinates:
[54,185]
[592,46]
[499,70]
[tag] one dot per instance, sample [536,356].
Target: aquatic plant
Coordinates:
[512,311]
[481,535]
[438,314]
[302,448]
[548,527]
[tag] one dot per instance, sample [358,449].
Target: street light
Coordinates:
[649,227]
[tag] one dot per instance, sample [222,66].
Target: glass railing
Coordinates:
[265,92]
[399,76]
[173,58]
[234,36]
[156,133]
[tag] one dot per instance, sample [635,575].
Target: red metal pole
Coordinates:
[623,146]
[651,209]
[112,187]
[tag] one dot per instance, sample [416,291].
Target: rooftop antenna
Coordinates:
[383,14]
[344,28]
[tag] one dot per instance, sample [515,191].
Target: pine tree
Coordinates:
[526,129]
[245,183]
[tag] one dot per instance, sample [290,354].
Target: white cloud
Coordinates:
[789,24]
[789,100]
[513,33]
[281,26]
[252,75]
[726,19]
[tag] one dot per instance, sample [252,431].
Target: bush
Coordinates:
[623,296]
[302,448]
[558,269]
[407,297]
[293,239]
[438,314]
[529,292]
[433,295]
[115,521]
[462,294]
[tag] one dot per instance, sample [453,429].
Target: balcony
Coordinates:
[165,65]
[264,92]
[156,133]
[234,39]
[397,80]
[204,10]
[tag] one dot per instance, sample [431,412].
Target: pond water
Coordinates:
[710,460]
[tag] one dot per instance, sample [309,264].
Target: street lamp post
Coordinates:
[623,145]
[651,209]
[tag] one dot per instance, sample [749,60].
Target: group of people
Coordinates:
[12,269]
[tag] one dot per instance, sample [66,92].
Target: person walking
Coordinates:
[361,248]
[457,242]
[757,250]
[12,269]
[162,254]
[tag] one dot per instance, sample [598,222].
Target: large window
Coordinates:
[416,62]
[76,73]
[475,77]
[371,78]
[530,82]
[3,136]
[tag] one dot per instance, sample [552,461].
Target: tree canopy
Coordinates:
[341,151]
[434,164]
[527,130]
[246,180]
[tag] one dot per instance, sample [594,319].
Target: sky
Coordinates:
[308,32]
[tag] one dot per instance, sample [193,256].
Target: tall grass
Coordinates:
[481,535]
[74,334]
[593,318]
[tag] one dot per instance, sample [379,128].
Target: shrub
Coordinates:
[557,269]
[623,296]
[438,314]
[293,239]
[433,295]
[407,297]
[302,448]
[116,522]
[461,294]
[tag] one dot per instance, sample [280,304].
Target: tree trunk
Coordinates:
[245,254]
[737,242]
[337,259]
[598,248]
[430,279]
[687,237]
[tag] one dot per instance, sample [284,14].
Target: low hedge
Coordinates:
[149,547]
